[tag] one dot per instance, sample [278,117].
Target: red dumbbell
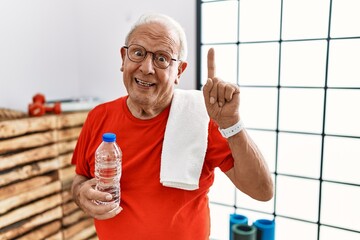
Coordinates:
[39,98]
[38,107]
[56,108]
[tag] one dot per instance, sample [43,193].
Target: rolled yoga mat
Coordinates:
[236,219]
[243,232]
[265,229]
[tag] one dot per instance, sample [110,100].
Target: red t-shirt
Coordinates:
[150,210]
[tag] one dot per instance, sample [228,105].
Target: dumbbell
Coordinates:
[39,108]
[39,98]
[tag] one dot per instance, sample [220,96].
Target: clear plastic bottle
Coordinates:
[108,157]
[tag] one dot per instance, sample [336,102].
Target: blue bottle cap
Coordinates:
[109,137]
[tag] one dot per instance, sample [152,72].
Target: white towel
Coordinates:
[185,141]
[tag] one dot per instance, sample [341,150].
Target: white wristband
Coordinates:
[231,131]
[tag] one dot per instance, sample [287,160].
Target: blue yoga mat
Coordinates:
[243,232]
[236,219]
[265,229]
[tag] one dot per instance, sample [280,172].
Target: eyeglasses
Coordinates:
[137,53]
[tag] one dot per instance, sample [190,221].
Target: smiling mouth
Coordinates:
[143,83]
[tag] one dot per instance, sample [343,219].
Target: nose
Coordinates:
[147,65]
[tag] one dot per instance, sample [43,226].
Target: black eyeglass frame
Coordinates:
[146,52]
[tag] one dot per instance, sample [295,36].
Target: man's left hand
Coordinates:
[222,99]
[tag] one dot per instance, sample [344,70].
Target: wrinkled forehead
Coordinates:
[155,36]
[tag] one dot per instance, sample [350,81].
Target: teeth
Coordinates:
[143,83]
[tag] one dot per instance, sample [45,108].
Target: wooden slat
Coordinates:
[65,161]
[73,217]
[57,236]
[69,208]
[66,195]
[17,159]
[76,228]
[66,175]
[12,128]
[28,171]
[84,234]
[38,139]
[28,141]
[29,210]
[28,156]
[25,186]
[7,114]
[32,223]
[26,197]
[43,232]
[67,146]
[72,119]
[68,134]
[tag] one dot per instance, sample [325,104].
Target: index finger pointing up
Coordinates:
[211,63]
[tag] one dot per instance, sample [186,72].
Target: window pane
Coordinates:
[266,141]
[259,64]
[254,29]
[253,216]
[340,205]
[344,62]
[327,233]
[341,159]
[299,154]
[243,200]
[226,62]
[258,107]
[345,18]
[301,110]
[303,63]
[304,19]
[219,22]
[223,190]
[288,229]
[297,198]
[219,217]
[343,112]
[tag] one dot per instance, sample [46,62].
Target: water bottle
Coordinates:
[108,167]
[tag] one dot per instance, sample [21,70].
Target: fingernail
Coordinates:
[119,210]
[108,197]
[114,205]
[212,100]
[220,104]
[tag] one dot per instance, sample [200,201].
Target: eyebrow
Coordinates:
[168,49]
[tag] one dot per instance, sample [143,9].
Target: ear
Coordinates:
[122,54]
[181,68]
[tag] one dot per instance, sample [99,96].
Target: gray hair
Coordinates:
[166,21]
